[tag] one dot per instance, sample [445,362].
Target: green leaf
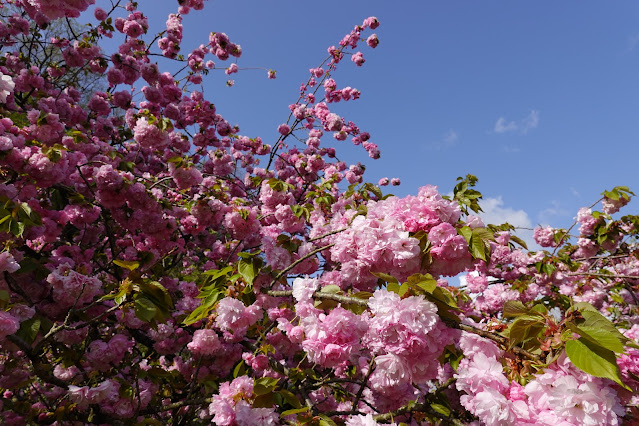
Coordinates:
[292,399]
[599,330]
[127,264]
[330,289]
[374,189]
[594,360]
[216,273]
[249,268]
[295,411]
[480,243]
[466,232]
[403,289]
[519,241]
[441,409]
[326,421]
[514,308]
[239,370]
[428,286]
[539,308]
[267,381]
[145,309]
[477,249]
[17,228]
[394,287]
[264,385]
[599,337]
[386,277]
[29,329]
[524,328]
[425,282]
[584,306]
[159,295]
[265,400]
[199,313]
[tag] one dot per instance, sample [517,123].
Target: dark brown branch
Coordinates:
[298,261]
[319,295]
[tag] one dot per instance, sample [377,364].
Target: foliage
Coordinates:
[159,267]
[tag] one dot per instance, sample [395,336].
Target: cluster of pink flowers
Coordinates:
[545,237]
[8,324]
[407,336]
[560,395]
[152,252]
[43,11]
[331,340]
[373,244]
[232,406]
[235,318]
[205,343]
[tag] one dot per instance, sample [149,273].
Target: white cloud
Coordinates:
[556,210]
[529,122]
[501,126]
[447,141]
[495,213]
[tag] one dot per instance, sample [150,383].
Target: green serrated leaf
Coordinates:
[155,292]
[477,248]
[326,421]
[441,409]
[600,337]
[267,381]
[249,268]
[145,309]
[514,308]
[216,273]
[393,287]
[294,411]
[239,370]
[524,328]
[127,264]
[519,241]
[465,232]
[330,289]
[198,314]
[594,360]
[17,228]
[386,277]
[365,295]
[29,329]
[539,308]
[403,289]
[599,330]
[292,399]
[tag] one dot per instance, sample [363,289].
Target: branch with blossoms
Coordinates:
[154,254]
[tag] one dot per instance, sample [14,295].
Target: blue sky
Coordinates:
[537,99]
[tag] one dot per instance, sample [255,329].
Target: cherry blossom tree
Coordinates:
[161,267]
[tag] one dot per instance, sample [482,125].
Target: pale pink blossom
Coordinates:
[6,87]
[205,342]
[303,289]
